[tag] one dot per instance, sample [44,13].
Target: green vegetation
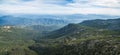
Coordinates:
[86,42]
[15,38]
[96,37]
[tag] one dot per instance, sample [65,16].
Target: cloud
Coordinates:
[102,3]
[106,7]
[107,3]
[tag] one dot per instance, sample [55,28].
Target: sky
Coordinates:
[104,7]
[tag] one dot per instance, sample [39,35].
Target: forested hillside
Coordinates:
[79,39]
[91,37]
[13,38]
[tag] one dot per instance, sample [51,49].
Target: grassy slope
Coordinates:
[12,38]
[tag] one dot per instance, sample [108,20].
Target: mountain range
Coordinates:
[21,21]
[90,26]
[47,20]
[55,35]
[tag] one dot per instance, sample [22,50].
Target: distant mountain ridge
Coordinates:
[60,20]
[72,18]
[11,20]
[111,24]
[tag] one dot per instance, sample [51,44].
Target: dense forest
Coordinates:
[90,37]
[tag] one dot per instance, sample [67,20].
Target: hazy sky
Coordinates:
[107,7]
